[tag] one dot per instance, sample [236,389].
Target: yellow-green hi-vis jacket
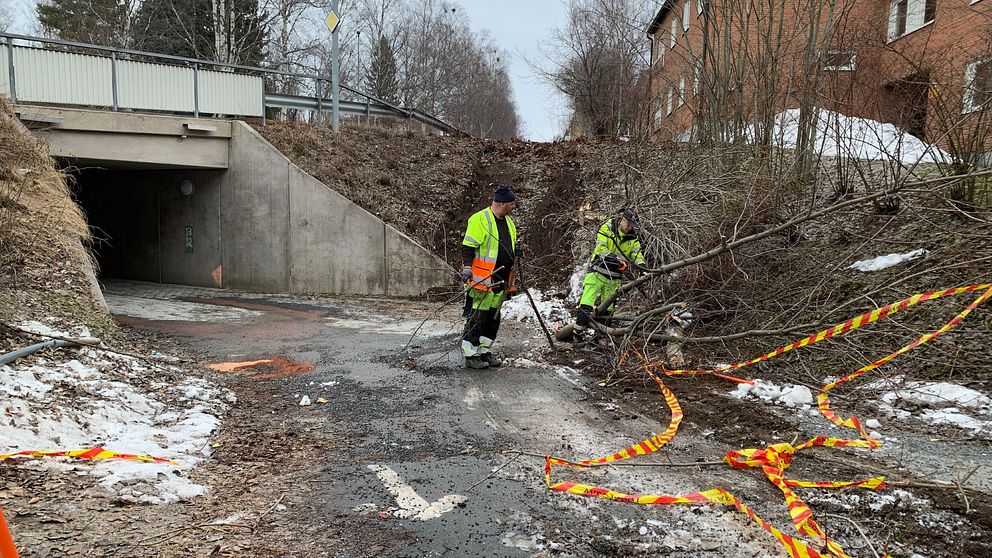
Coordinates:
[483,235]
[610,240]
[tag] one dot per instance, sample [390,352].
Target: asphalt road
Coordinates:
[418,465]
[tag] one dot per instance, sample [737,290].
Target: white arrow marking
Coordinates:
[410,503]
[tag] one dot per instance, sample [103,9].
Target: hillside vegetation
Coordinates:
[43,236]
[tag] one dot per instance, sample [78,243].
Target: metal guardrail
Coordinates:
[204,79]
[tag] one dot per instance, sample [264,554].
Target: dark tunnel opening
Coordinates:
[153,225]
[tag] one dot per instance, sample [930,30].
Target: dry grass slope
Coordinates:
[43,235]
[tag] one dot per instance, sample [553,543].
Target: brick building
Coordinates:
[923,65]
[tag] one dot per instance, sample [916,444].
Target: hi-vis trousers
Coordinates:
[481,315]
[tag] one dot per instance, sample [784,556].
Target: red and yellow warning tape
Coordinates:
[96,453]
[776,458]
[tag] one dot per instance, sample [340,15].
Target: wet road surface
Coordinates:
[405,444]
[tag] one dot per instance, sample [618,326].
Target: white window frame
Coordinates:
[681,91]
[915,17]
[671,98]
[686,15]
[970,73]
[657,112]
[675,28]
[700,4]
[846,67]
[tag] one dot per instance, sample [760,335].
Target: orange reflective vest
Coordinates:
[483,236]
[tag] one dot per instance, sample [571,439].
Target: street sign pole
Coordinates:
[335,68]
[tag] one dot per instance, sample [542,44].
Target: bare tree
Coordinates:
[6,17]
[597,62]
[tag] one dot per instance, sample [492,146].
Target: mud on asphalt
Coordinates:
[294,480]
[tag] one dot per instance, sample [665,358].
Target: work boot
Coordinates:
[476,362]
[578,336]
[492,360]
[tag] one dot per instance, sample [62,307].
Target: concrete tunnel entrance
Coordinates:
[158,225]
[226,209]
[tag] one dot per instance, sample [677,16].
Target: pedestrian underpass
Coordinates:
[242,217]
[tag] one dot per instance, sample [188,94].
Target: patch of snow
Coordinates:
[887,261]
[44,329]
[176,310]
[941,393]
[790,396]
[80,398]
[838,135]
[552,309]
[575,282]
[941,403]
[953,417]
[305,401]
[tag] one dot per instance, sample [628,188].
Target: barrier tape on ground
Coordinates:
[841,328]
[97,453]
[776,458]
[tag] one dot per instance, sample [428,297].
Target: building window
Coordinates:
[839,60]
[906,16]
[700,4]
[686,14]
[657,112]
[978,85]
[671,98]
[675,29]
[682,91]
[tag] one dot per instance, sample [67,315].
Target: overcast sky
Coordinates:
[518,26]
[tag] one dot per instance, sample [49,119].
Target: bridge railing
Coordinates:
[78,74]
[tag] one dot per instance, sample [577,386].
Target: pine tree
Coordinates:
[102,22]
[176,27]
[382,77]
[190,28]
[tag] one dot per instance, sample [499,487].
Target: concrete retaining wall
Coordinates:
[307,238]
[262,225]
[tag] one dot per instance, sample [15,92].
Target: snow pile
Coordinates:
[575,282]
[79,398]
[838,135]
[887,261]
[552,309]
[932,394]
[790,396]
[941,403]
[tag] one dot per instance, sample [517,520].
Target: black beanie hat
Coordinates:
[504,194]
[630,215]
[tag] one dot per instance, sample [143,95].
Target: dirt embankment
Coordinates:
[427,186]
[43,234]
[690,199]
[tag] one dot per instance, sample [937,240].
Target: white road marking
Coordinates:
[411,504]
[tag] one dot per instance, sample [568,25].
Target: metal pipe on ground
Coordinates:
[31,349]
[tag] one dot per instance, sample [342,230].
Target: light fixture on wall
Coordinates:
[186,187]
